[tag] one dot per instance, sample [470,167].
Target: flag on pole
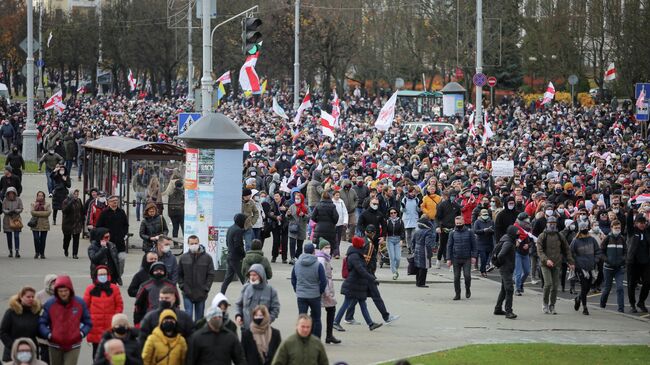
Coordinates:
[252,147]
[387,114]
[132,81]
[81,89]
[306,103]
[248,78]
[336,109]
[549,94]
[610,73]
[221,92]
[472,129]
[487,129]
[327,123]
[49,39]
[263,88]
[278,109]
[225,78]
[55,102]
[640,101]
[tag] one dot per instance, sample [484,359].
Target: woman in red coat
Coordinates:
[103,300]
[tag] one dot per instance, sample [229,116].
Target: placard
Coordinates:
[503,168]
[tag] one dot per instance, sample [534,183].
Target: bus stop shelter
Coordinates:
[425,101]
[108,161]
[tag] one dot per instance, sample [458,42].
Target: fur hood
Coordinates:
[16,306]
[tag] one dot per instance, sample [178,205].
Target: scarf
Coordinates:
[301,207]
[39,205]
[97,290]
[262,336]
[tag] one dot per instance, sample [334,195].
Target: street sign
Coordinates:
[642,113]
[459,73]
[199,9]
[479,79]
[185,120]
[23,45]
[40,63]
[492,81]
[573,79]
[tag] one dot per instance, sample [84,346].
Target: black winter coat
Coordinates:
[195,275]
[504,219]
[250,348]
[446,213]
[152,226]
[73,216]
[507,253]
[359,278]
[325,216]
[394,228]
[117,224]
[131,348]
[207,347]
[140,277]
[16,325]
[106,256]
[235,239]
[60,192]
[371,216]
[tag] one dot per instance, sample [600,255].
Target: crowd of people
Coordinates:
[573,209]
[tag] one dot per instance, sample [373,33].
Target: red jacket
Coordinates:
[102,308]
[64,324]
[467,208]
[95,212]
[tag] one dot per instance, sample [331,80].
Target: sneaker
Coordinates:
[511,315]
[576,303]
[642,307]
[585,312]
[620,310]
[518,293]
[551,309]
[545,309]
[490,268]
[633,309]
[374,326]
[395,276]
[534,282]
[273,260]
[352,322]
[50,195]
[392,318]
[499,312]
[338,327]
[438,265]
[603,305]
[292,262]
[17,254]
[11,254]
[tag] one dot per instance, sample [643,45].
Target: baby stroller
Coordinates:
[383,255]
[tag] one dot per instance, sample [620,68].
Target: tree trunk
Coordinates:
[62,79]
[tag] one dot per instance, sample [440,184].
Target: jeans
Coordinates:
[357,231]
[177,222]
[466,267]
[60,357]
[373,292]
[313,305]
[16,239]
[68,167]
[50,182]
[248,239]
[257,234]
[522,270]
[75,243]
[194,308]
[6,144]
[484,257]
[507,290]
[350,303]
[551,282]
[394,252]
[140,199]
[39,242]
[638,273]
[233,268]
[295,248]
[409,237]
[610,274]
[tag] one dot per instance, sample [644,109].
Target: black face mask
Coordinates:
[584,231]
[120,330]
[168,327]
[165,304]
[158,276]
[258,321]
[460,226]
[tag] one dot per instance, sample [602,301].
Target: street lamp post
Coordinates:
[190,66]
[206,80]
[99,59]
[29,135]
[296,61]
[40,92]
[479,56]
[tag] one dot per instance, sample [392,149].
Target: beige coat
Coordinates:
[43,217]
[15,207]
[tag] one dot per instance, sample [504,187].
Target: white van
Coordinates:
[429,126]
[4,91]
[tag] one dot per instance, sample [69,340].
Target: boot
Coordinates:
[11,253]
[332,339]
[17,254]
[468,293]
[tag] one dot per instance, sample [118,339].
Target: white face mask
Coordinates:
[24,356]
[194,248]
[166,249]
[374,206]
[327,251]
[560,210]
[549,212]
[254,282]
[511,206]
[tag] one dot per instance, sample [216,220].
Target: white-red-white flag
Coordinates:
[472,129]
[252,147]
[278,109]
[610,73]
[132,81]
[549,94]
[248,78]
[327,123]
[55,102]
[387,114]
[336,109]
[306,103]
[487,129]
[640,101]
[225,78]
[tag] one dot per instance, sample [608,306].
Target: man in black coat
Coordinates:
[326,217]
[114,218]
[214,344]
[16,161]
[505,218]
[236,253]
[506,259]
[195,277]
[447,211]
[372,216]
[9,180]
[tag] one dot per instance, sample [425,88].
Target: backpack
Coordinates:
[494,257]
[344,268]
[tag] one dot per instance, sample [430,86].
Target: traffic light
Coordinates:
[250,36]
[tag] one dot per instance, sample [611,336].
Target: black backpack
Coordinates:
[494,258]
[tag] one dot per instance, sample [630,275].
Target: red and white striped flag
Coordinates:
[248,78]
[225,78]
[336,109]
[306,103]
[386,114]
[327,123]
[132,81]
[55,102]
[472,129]
[487,129]
[549,94]
[610,73]
[252,147]
[640,101]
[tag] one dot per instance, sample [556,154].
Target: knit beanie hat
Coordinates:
[322,243]
[358,242]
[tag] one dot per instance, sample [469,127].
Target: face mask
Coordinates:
[102,278]
[253,173]
[493,206]
[216,322]
[452,198]
[168,327]
[166,249]
[194,248]
[359,183]
[616,232]
[118,359]
[120,330]
[327,251]
[256,198]
[24,356]
[558,191]
[596,230]
[165,304]
[255,282]
[485,217]
[560,210]
[298,201]
[551,227]
[374,206]
[511,206]
[258,320]
[460,226]
[548,212]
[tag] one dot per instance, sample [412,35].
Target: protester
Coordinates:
[483,227]
[638,263]
[298,216]
[255,292]
[506,264]
[424,240]
[249,209]
[152,227]
[72,223]
[51,161]
[614,251]
[40,211]
[586,253]
[553,249]
[20,320]
[328,300]
[236,253]
[261,341]
[342,223]
[277,223]
[214,344]
[461,250]
[176,208]
[10,180]
[114,218]
[256,256]
[195,277]
[16,162]
[148,295]
[163,249]
[309,282]
[61,183]
[103,300]
[23,352]
[143,273]
[102,252]
[122,331]
[154,195]
[325,215]
[301,347]
[12,224]
[165,342]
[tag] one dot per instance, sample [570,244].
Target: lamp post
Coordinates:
[479,55]
[29,135]
[296,61]
[190,66]
[40,92]
[206,80]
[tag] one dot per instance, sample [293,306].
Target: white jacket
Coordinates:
[342,211]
